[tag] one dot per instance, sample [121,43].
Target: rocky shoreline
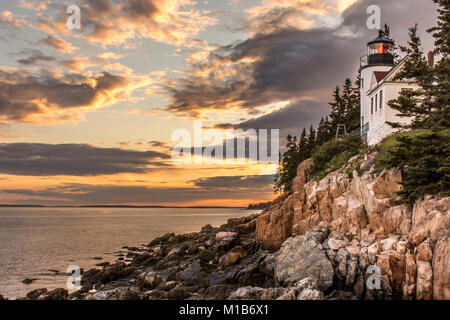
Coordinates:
[343,237]
[215,263]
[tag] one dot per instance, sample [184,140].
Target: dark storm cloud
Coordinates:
[291,64]
[35,159]
[109,194]
[35,56]
[23,95]
[291,119]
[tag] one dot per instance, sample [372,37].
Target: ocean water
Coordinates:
[37,242]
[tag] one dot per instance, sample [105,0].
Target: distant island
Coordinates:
[259,205]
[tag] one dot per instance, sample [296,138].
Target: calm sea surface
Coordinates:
[35,242]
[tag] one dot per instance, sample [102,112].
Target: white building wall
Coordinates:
[366,77]
[378,128]
[377,119]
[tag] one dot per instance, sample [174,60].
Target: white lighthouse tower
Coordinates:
[378,87]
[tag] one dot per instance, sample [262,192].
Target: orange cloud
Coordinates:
[106,22]
[58,44]
[48,98]
[272,15]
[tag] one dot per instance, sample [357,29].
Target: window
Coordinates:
[381,99]
[371,106]
[381,48]
[362,83]
[376,102]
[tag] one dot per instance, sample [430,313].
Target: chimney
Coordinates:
[431,59]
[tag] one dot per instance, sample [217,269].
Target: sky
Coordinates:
[87,115]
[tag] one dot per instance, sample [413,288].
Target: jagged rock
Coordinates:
[151,279]
[431,220]
[389,243]
[233,256]
[424,251]
[306,289]
[35,294]
[225,240]
[349,214]
[247,293]
[274,226]
[392,266]
[192,271]
[302,257]
[303,175]
[336,244]
[246,228]
[309,294]
[424,281]
[56,294]
[441,269]
[402,246]
[409,287]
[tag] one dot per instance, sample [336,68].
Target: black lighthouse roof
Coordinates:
[381,38]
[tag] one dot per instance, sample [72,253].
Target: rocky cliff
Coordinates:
[343,237]
[362,230]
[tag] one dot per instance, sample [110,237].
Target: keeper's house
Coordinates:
[378,87]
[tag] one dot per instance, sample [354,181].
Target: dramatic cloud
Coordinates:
[273,15]
[290,120]
[288,63]
[34,159]
[58,44]
[28,98]
[280,66]
[110,22]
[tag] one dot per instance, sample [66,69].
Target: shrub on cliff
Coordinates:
[424,157]
[333,154]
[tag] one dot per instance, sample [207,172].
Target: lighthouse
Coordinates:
[378,87]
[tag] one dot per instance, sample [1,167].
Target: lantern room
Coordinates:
[380,51]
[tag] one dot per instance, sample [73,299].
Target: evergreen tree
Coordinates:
[423,154]
[311,142]
[303,145]
[350,106]
[322,132]
[417,104]
[441,34]
[337,109]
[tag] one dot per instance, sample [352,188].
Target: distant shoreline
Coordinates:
[119,206]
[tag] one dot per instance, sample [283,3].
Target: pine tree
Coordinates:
[423,154]
[351,109]
[441,34]
[336,106]
[311,142]
[322,132]
[417,104]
